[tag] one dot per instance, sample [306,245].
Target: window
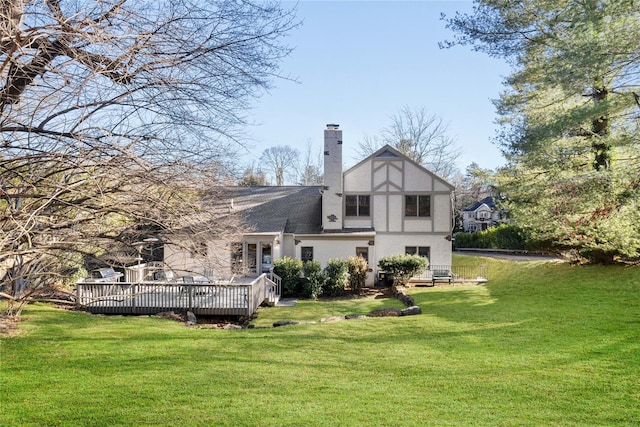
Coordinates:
[363,252]
[357,205]
[306,253]
[483,215]
[266,253]
[417,206]
[252,257]
[423,251]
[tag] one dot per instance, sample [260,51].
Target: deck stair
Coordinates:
[273,289]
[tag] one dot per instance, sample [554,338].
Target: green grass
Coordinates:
[540,344]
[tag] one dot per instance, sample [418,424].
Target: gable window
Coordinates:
[357,205]
[306,253]
[419,206]
[423,251]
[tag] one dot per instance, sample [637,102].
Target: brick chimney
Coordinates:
[332,194]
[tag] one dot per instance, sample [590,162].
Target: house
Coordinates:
[384,205]
[481,215]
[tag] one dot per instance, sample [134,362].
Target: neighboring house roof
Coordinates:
[280,209]
[486,201]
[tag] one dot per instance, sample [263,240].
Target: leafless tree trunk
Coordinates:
[115,116]
[281,161]
[310,169]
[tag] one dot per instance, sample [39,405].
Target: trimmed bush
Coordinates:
[403,267]
[357,267]
[289,270]
[337,274]
[314,279]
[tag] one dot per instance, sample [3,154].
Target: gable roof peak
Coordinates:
[489,201]
[387,152]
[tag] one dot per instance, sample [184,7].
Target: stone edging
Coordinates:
[410,310]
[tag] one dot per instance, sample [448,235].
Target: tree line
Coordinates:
[569,119]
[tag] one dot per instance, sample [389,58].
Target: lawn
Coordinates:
[540,344]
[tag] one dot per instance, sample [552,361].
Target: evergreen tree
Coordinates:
[569,116]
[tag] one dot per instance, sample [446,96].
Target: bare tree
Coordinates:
[420,136]
[281,161]
[310,169]
[115,115]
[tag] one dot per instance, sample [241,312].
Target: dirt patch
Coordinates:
[219,322]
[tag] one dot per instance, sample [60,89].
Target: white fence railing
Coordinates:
[239,299]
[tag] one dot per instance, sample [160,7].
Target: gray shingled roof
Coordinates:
[274,209]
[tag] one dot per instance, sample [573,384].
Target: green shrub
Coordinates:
[314,279]
[403,267]
[357,267]
[504,236]
[337,274]
[289,270]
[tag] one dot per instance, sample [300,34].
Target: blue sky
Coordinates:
[358,62]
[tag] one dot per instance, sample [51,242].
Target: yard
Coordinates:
[540,344]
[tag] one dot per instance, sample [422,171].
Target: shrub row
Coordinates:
[504,236]
[309,280]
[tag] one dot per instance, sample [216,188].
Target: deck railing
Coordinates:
[461,273]
[273,288]
[234,299]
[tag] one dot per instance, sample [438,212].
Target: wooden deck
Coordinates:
[219,299]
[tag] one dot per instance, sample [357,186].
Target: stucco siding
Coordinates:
[417,180]
[380,210]
[395,213]
[288,246]
[379,176]
[418,225]
[358,223]
[183,261]
[394,244]
[358,180]
[396,174]
[442,215]
[440,186]
[327,248]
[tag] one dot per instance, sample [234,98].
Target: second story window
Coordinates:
[356,205]
[419,206]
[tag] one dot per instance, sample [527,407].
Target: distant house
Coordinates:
[482,215]
[384,205]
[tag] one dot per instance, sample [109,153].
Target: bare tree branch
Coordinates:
[120,120]
[422,137]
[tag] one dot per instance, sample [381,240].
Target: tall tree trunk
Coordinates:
[601,147]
